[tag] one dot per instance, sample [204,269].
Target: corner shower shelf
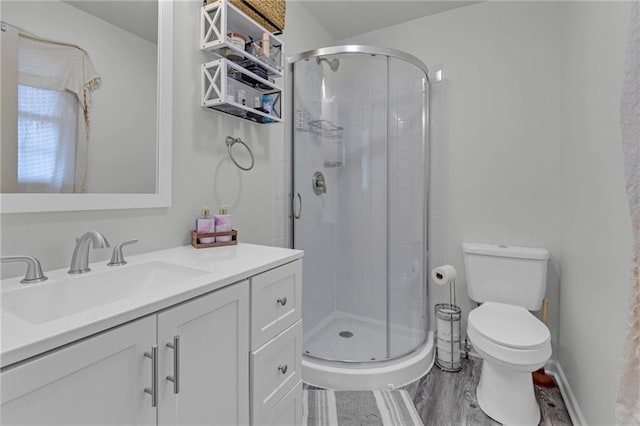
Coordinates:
[222,77]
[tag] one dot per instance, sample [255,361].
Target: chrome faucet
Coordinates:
[80,259]
[34,270]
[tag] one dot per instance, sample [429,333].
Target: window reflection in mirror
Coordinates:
[95,141]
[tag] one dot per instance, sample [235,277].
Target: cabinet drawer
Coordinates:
[275,369]
[287,412]
[276,298]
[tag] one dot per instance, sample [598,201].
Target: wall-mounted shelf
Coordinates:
[221,83]
[250,70]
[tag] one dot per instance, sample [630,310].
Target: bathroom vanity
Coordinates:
[216,341]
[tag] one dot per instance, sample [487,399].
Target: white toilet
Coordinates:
[509,281]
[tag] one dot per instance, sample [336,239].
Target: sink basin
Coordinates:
[56,299]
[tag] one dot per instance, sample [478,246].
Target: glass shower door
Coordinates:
[340,204]
[407,205]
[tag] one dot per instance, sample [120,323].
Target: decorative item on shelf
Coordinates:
[267,106]
[257,70]
[196,238]
[235,74]
[266,46]
[257,105]
[266,53]
[239,41]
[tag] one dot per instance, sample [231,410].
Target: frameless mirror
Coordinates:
[102,140]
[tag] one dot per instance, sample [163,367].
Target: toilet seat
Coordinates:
[509,325]
[509,335]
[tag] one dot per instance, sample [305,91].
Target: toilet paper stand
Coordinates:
[448,315]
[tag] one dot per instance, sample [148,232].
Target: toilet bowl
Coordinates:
[512,344]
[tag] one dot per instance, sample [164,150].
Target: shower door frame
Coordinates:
[389,53]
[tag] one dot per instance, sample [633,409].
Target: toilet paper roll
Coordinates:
[444,274]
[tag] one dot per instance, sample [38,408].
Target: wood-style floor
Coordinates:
[450,399]
[444,399]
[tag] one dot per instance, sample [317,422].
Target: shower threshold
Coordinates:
[388,374]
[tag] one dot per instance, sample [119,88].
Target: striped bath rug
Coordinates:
[359,408]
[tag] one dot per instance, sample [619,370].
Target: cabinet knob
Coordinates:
[282,368]
[282,300]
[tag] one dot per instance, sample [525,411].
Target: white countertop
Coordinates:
[224,265]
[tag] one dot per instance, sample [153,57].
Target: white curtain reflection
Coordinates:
[55,81]
[47,133]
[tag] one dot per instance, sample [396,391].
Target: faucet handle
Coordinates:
[34,270]
[117,258]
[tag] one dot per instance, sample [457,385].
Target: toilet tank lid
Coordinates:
[503,250]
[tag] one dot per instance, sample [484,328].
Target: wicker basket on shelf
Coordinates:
[268,13]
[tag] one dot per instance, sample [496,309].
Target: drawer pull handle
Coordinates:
[175,379]
[282,368]
[282,300]
[153,390]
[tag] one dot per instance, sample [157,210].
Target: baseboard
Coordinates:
[553,368]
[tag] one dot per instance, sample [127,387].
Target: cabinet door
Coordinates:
[213,360]
[99,380]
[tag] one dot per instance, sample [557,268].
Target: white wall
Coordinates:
[202,174]
[527,151]
[123,109]
[495,161]
[596,229]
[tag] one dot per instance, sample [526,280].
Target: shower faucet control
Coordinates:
[318,183]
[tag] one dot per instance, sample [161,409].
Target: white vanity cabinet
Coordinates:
[229,356]
[102,379]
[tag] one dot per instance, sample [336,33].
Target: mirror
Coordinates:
[129,146]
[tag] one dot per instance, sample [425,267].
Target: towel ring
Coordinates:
[230,141]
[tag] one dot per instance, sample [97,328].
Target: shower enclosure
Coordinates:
[359,204]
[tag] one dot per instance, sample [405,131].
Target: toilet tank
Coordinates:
[506,274]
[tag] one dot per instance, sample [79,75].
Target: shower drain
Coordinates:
[345,334]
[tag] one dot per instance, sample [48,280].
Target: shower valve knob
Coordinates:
[282,301]
[282,368]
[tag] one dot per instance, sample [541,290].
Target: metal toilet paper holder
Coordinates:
[448,315]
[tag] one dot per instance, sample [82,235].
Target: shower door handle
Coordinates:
[299,197]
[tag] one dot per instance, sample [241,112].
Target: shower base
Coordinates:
[351,338]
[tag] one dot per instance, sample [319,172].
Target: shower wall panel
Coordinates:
[361,94]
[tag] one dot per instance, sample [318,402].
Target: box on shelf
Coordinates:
[268,13]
